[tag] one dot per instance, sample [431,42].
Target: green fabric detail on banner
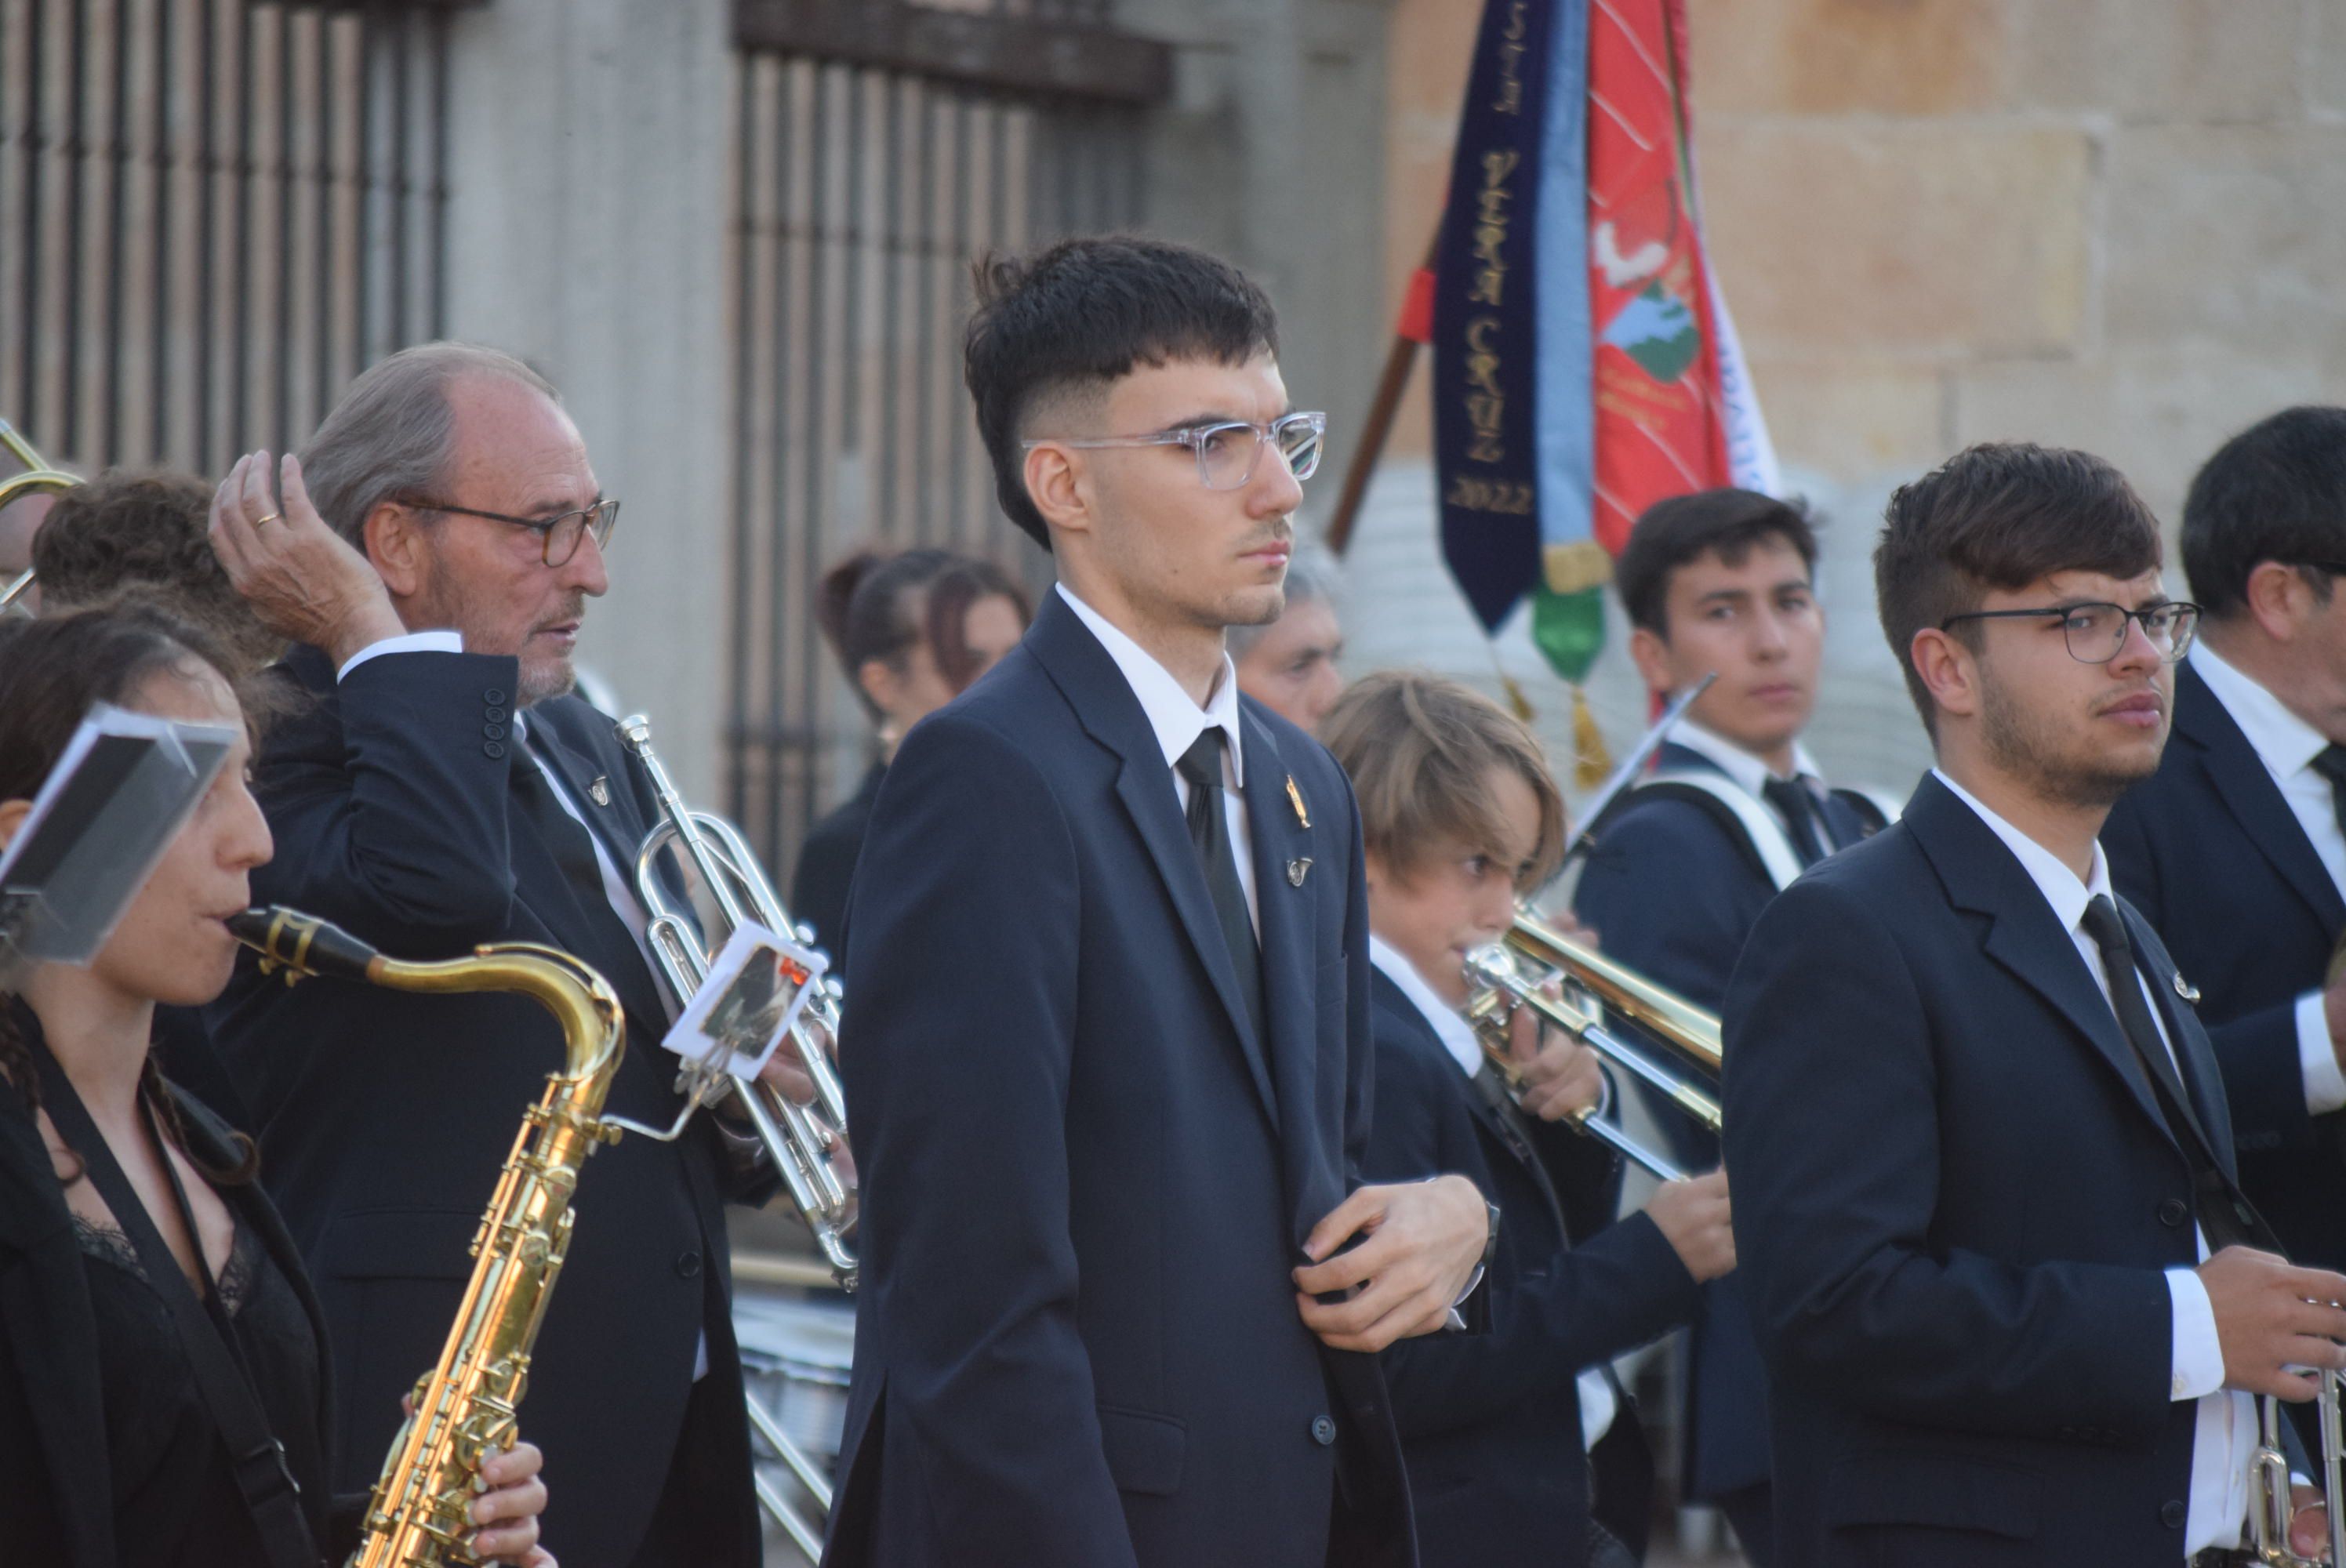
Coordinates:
[1570,629]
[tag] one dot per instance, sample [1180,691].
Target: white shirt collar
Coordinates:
[1172,714]
[2055,880]
[1747,772]
[1457,1035]
[2284,742]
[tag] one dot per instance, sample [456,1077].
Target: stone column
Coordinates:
[590,170]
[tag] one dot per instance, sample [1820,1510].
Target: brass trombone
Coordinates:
[37,478]
[1525,966]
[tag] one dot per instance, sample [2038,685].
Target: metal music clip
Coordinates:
[1296,870]
[599,792]
[2185,990]
[1302,818]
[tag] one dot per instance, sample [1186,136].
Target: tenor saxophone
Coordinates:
[464,1407]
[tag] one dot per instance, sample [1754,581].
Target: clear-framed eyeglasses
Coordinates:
[1226,452]
[2097,632]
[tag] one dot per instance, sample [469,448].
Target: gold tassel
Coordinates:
[1591,760]
[1517,703]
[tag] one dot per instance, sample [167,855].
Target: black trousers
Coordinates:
[707,1516]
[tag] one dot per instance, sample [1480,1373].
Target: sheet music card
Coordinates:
[754,992]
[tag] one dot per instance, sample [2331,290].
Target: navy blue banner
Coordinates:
[1486,315]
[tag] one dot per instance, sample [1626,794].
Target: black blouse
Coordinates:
[175,1503]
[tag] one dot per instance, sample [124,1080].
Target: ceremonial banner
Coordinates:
[1584,364]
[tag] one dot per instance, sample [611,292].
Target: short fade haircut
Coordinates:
[390,435]
[1075,316]
[2276,491]
[1420,749]
[145,531]
[1679,531]
[2000,515]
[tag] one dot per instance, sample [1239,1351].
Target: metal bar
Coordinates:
[441,28]
[400,194]
[35,145]
[891,249]
[280,359]
[322,360]
[992,52]
[207,452]
[777,563]
[241,235]
[363,171]
[167,164]
[816,462]
[801,1534]
[924,336]
[77,150]
[810,1474]
[957,425]
[117,214]
[745,255]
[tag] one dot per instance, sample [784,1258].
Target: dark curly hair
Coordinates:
[51,672]
[869,607]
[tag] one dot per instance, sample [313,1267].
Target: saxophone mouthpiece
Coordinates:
[301,945]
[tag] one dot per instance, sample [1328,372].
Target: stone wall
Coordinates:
[2115,224]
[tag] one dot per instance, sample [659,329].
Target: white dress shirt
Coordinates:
[2287,746]
[1598,1405]
[1751,775]
[2225,1435]
[1178,721]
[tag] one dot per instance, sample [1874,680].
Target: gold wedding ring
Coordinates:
[270,517]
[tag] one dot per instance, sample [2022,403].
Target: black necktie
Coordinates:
[566,838]
[1209,830]
[1514,1127]
[2224,1214]
[1793,803]
[2331,763]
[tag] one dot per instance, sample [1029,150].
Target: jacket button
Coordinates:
[493,750]
[494,731]
[1323,1431]
[2173,1211]
[688,1264]
[2172,1513]
[493,715]
[493,696]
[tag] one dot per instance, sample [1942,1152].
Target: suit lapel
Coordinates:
[2240,779]
[2195,1056]
[1981,876]
[1285,905]
[1104,703]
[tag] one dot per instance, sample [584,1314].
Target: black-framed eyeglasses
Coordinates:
[560,534]
[2096,632]
[1227,451]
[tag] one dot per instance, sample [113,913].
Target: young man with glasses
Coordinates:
[437,789]
[2234,850]
[2013,1304]
[1122,1291]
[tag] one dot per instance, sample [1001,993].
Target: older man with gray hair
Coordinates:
[432,551]
[1289,665]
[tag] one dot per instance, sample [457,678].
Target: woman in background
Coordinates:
[110,1456]
[913,630]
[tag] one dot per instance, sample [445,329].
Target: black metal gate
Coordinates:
[212,214]
[880,146]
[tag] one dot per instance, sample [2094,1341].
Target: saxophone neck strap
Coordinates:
[257,1459]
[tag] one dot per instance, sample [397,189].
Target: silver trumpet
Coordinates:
[2269,1500]
[804,1142]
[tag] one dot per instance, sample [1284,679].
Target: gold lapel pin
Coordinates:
[2185,990]
[1296,870]
[1295,799]
[599,792]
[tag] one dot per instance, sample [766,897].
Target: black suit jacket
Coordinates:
[1954,1201]
[1086,1181]
[1490,1422]
[826,867]
[1673,888]
[2214,858]
[385,1115]
[56,1502]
